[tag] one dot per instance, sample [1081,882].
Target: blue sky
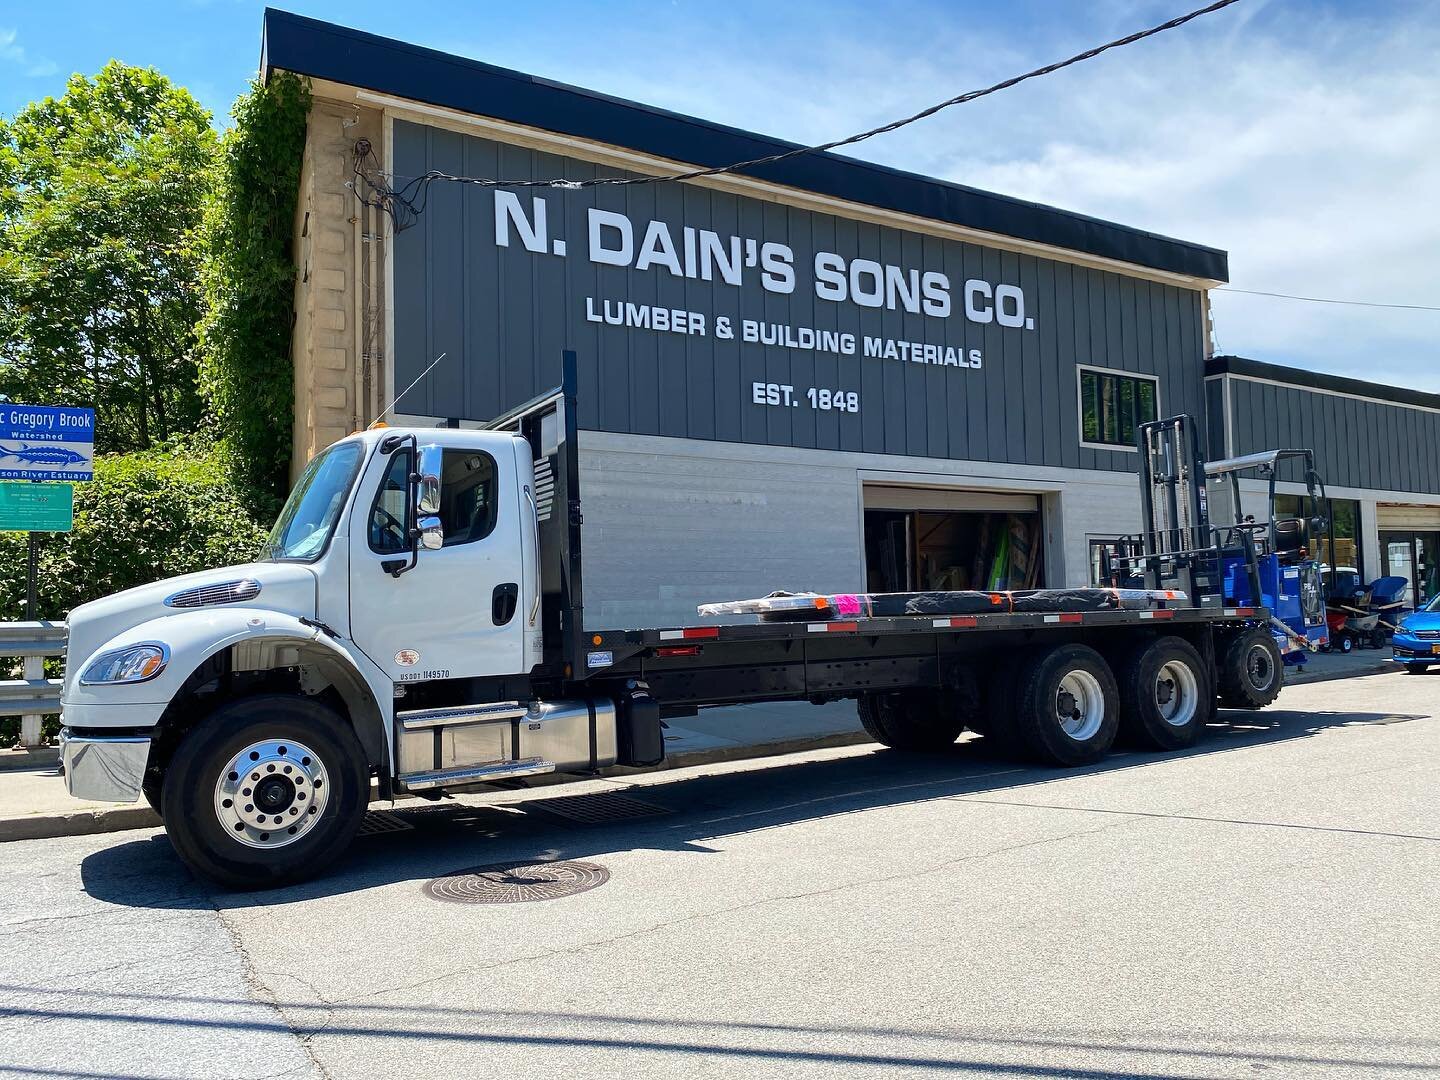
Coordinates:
[1303,137]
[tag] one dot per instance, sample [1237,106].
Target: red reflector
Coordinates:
[1244,611]
[702,632]
[1162,614]
[965,620]
[678,650]
[842,626]
[1072,616]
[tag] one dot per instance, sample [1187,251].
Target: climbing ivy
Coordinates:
[249,282]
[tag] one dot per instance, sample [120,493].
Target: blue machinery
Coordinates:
[1242,563]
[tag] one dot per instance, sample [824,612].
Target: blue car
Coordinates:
[1417,642]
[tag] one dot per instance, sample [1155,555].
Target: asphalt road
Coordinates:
[1263,905]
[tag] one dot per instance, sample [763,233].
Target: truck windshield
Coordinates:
[309,516]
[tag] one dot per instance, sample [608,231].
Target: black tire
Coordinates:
[1165,694]
[192,818]
[1045,679]
[1347,641]
[1416,669]
[922,721]
[1378,638]
[1251,670]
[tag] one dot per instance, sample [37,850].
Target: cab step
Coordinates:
[491,712]
[475,774]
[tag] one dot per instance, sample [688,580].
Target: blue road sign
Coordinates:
[46,442]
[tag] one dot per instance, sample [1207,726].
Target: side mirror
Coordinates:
[428,465]
[432,533]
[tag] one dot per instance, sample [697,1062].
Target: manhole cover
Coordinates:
[378,822]
[517,882]
[595,809]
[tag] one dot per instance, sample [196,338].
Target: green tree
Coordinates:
[101,196]
[249,280]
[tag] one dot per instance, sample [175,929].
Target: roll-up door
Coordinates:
[1396,517]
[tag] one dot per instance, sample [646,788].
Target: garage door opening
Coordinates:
[997,545]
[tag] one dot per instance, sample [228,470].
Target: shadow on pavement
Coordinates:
[452,837]
[978,1047]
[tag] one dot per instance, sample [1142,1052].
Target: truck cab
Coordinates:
[388,639]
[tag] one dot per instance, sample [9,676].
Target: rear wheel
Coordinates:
[264,791]
[1251,670]
[1165,693]
[1066,705]
[919,720]
[1347,641]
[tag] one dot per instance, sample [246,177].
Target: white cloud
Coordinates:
[1303,143]
[11,52]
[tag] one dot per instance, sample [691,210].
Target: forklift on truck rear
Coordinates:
[1243,563]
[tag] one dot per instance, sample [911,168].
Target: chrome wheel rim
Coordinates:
[272,793]
[1176,693]
[1259,667]
[1079,705]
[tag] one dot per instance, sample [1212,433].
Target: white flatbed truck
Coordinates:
[416,626]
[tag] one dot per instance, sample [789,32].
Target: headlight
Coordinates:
[133,664]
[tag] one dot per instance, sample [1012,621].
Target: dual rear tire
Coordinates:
[1063,705]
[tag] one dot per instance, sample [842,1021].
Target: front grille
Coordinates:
[1428,635]
[224,592]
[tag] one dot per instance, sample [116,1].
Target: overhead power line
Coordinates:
[406,202]
[1327,300]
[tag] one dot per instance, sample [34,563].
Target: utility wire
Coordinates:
[1326,300]
[404,203]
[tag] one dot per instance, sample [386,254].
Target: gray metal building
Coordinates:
[811,374]
[1377,448]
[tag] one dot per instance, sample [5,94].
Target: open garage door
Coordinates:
[920,539]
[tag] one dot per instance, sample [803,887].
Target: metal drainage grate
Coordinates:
[517,882]
[379,822]
[597,809]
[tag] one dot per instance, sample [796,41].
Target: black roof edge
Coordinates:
[1316,380]
[324,50]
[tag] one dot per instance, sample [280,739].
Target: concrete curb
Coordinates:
[121,818]
[1380,667]
[78,823]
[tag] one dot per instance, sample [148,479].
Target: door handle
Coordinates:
[503,603]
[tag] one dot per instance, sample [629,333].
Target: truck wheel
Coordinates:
[1067,706]
[1165,694]
[265,790]
[915,720]
[1251,670]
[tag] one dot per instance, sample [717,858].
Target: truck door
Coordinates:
[456,613]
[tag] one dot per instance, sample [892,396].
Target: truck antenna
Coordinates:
[407,389]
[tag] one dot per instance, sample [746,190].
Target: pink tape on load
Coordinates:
[846,605]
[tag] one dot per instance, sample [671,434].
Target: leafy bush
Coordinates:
[144,517]
[249,281]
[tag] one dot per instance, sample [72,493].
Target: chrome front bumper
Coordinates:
[104,769]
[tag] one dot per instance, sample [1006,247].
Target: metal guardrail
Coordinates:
[33,695]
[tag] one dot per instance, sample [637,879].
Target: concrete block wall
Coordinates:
[672,523]
[327,346]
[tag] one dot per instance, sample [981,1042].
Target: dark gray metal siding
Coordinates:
[1357,442]
[503,315]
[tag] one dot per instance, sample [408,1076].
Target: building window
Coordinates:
[1113,405]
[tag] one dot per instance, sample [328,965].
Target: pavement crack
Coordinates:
[266,996]
[1180,816]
